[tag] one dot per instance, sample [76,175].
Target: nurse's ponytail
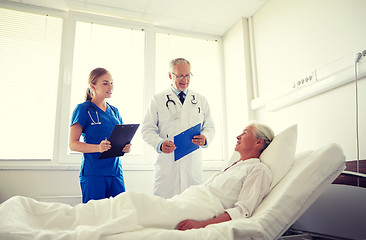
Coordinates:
[93,78]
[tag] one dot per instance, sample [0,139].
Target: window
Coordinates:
[120,51]
[206,68]
[30,46]
[46,57]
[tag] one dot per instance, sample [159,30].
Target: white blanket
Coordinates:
[23,218]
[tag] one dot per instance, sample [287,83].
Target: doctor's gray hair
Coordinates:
[93,79]
[177,61]
[262,131]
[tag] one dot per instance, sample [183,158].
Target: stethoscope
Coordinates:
[96,113]
[175,116]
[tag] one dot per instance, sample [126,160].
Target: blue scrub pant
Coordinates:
[99,187]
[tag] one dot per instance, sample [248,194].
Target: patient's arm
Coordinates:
[190,224]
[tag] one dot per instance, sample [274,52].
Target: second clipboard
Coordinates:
[120,136]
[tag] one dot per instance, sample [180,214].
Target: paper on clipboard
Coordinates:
[120,136]
[183,142]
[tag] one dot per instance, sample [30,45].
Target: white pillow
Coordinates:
[279,155]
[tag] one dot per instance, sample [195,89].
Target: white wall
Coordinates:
[237,80]
[294,37]
[36,183]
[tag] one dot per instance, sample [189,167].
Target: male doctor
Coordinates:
[171,112]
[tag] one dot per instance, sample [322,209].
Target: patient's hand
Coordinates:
[190,224]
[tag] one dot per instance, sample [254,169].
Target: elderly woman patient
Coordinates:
[231,193]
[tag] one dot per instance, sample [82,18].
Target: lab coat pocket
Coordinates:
[163,165]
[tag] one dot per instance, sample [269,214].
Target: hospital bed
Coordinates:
[311,173]
[298,182]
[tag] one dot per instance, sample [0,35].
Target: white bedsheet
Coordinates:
[23,218]
[126,212]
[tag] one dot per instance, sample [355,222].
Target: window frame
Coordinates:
[60,158]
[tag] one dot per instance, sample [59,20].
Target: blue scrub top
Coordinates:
[94,134]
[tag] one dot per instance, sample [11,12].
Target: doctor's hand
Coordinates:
[199,140]
[168,147]
[104,145]
[127,148]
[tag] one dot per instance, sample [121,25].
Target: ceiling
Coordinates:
[202,16]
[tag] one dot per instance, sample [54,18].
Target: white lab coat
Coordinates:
[173,177]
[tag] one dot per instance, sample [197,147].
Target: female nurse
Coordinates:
[95,119]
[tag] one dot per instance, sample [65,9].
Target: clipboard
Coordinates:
[183,142]
[120,136]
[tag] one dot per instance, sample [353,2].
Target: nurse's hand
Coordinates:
[127,148]
[104,145]
[168,147]
[199,140]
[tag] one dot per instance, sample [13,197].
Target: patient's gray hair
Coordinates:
[177,61]
[262,131]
